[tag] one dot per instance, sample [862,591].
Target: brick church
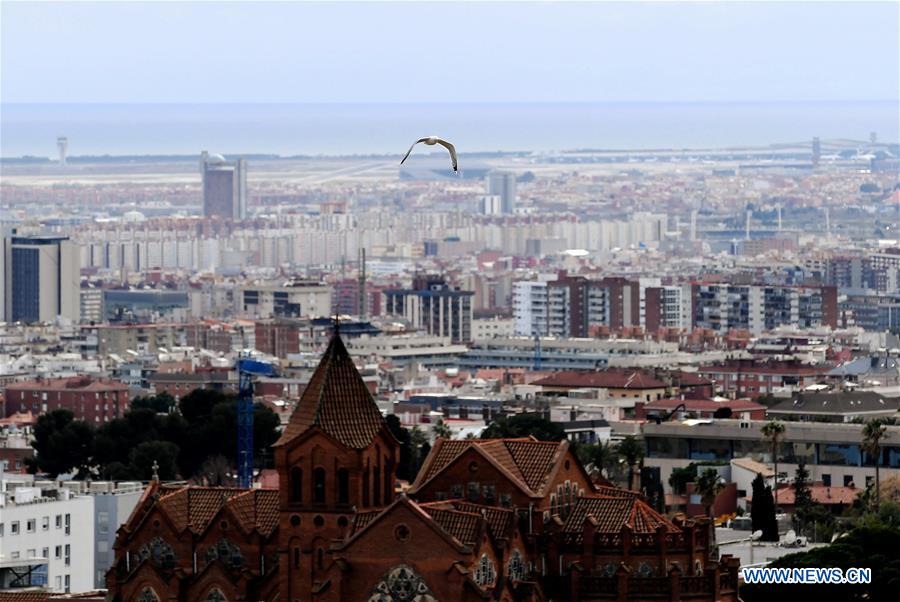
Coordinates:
[503,519]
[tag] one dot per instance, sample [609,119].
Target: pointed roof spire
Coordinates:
[337,400]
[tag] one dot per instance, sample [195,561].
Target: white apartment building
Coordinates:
[489,328]
[531,309]
[61,535]
[46,541]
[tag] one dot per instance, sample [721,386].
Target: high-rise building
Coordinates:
[41,278]
[224,186]
[503,184]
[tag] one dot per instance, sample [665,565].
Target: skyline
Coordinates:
[528,52]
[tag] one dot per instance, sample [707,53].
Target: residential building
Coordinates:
[751,378]
[724,307]
[46,541]
[434,306]
[835,406]
[93,400]
[831,451]
[293,299]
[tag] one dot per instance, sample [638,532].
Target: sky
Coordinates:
[448,52]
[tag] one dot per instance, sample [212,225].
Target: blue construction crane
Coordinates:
[247,369]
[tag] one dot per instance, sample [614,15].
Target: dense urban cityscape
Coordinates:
[630,373]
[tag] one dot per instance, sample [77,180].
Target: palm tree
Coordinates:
[708,486]
[773,430]
[873,432]
[630,450]
[441,429]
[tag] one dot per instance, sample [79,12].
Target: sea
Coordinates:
[365,129]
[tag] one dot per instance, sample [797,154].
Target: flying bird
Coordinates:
[431,141]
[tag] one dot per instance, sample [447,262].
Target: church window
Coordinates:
[216,595]
[474,491]
[147,595]
[320,559]
[158,551]
[516,568]
[343,486]
[319,486]
[645,570]
[296,485]
[227,552]
[402,584]
[377,482]
[485,573]
[365,488]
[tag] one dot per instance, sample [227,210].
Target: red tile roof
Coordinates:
[499,519]
[527,461]
[821,494]
[193,508]
[336,400]
[606,379]
[612,512]
[80,384]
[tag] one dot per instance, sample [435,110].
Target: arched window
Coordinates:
[376,477]
[147,595]
[319,486]
[516,568]
[296,558]
[320,559]
[388,486]
[216,595]
[485,573]
[645,570]
[365,487]
[402,582]
[343,486]
[296,485]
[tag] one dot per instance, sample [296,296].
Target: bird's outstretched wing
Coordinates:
[405,157]
[452,150]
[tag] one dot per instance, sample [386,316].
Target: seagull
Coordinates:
[431,141]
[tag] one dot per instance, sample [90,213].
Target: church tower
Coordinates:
[336,455]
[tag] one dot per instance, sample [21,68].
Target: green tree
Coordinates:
[773,431]
[632,452]
[601,456]
[524,425]
[708,486]
[762,511]
[62,444]
[163,453]
[162,403]
[872,434]
[680,477]
[802,497]
[406,469]
[440,429]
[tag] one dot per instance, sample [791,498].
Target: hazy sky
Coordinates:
[484,52]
